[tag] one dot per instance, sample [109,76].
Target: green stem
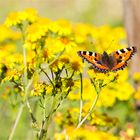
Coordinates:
[61,100]
[72,74]
[26,88]
[24,55]
[45,125]
[44,106]
[41,132]
[81,98]
[16,122]
[27,83]
[25,67]
[90,111]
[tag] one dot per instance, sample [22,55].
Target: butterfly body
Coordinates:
[108,62]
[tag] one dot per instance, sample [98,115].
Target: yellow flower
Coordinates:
[32,14]
[123,75]
[107,97]
[137,94]
[65,59]
[30,45]
[49,89]
[68,44]
[38,89]
[13,19]
[130,130]
[119,33]
[58,118]
[75,61]
[54,27]
[37,30]
[76,65]
[125,92]
[12,74]
[107,38]
[6,34]
[99,76]
[136,76]
[30,56]
[56,65]
[88,91]
[47,54]
[81,32]
[54,45]
[65,28]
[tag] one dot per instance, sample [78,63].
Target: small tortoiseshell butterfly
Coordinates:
[114,61]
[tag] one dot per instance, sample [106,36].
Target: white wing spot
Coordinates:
[119,52]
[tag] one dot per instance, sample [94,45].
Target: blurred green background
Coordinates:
[97,12]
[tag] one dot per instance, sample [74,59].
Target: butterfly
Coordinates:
[114,61]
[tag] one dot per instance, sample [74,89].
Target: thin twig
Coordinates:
[52,74]
[72,75]
[47,76]
[90,111]
[66,71]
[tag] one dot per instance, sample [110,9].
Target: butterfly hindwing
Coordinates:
[94,59]
[122,56]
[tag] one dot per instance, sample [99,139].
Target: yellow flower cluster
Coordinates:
[110,92]
[16,18]
[103,120]
[8,61]
[87,133]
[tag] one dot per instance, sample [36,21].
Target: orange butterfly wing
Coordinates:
[122,56]
[94,59]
